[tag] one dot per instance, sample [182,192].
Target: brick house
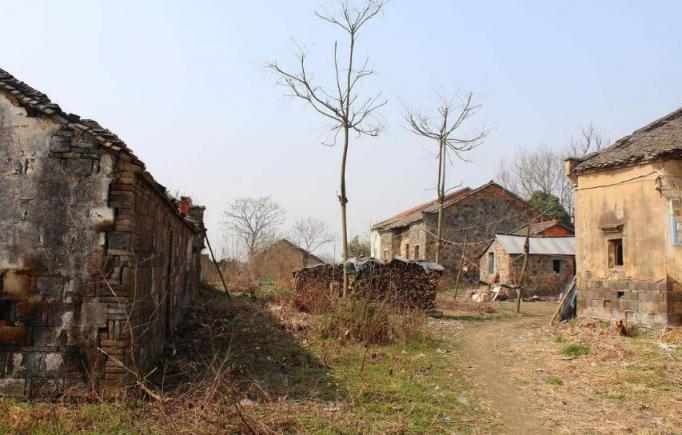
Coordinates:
[91,248]
[628,220]
[553,227]
[551,263]
[472,214]
[279,261]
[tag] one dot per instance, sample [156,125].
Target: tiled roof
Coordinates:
[414,214]
[661,138]
[35,101]
[539,227]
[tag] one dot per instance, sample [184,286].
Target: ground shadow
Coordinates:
[258,356]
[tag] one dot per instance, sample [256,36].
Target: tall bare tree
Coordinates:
[341,104]
[254,221]
[443,128]
[310,234]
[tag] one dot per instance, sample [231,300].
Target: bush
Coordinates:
[369,322]
[575,349]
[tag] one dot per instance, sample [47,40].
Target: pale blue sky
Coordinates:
[182,83]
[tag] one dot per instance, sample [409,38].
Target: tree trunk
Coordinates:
[526,251]
[343,201]
[441,199]
[461,265]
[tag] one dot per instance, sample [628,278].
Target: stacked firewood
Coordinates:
[402,284]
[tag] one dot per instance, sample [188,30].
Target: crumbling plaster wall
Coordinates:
[53,203]
[624,203]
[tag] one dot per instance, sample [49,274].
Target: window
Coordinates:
[491,262]
[676,221]
[385,254]
[616,253]
[407,251]
[416,252]
[556,266]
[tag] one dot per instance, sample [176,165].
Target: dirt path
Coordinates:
[497,372]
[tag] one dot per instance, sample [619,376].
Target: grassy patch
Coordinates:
[554,380]
[559,338]
[575,349]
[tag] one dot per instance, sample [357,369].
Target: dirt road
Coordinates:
[497,371]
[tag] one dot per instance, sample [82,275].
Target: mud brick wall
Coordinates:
[71,247]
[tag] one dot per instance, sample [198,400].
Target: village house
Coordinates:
[93,252]
[472,215]
[628,221]
[552,227]
[550,264]
[278,261]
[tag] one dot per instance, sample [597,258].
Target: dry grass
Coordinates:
[606,383]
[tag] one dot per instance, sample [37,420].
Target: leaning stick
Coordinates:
[215,263]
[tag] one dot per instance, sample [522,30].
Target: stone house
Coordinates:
[472,214]
[278,261]
[551,263]
[93,251]
[628,221]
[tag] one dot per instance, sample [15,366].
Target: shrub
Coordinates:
[555,380]
[575,349]
[369,322]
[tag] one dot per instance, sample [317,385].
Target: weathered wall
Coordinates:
[53,206]
[279,261]
[477,218]
[541,280]
[87,239]
[624,203]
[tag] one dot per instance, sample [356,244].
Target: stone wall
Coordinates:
[84,245]
[541,278]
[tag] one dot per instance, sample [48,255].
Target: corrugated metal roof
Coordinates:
[538,245]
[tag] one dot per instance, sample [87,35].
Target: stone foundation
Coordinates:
[646,303]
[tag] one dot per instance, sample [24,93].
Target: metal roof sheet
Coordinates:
[538,245]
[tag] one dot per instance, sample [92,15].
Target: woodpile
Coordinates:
[402,284]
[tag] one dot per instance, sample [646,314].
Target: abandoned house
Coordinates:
[93,252]
[232,271]
[628,221]
[551,263]
[278,261]
[472,215]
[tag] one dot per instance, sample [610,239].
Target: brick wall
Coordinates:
[82,244]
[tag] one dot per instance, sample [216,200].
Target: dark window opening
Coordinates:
[6,313]
[416,252]
[620,294]
[491,262]
[556,266]
[407,252]
[616,253]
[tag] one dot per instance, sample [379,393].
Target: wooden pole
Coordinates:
[217,268]
[564,297]
[519,289]
[461,264]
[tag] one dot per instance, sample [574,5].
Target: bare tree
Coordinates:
[310,234]
[450,117]
[254,221]
[342,105]
[542,169]
[589,140]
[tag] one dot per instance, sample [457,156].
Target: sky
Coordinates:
[184,85]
